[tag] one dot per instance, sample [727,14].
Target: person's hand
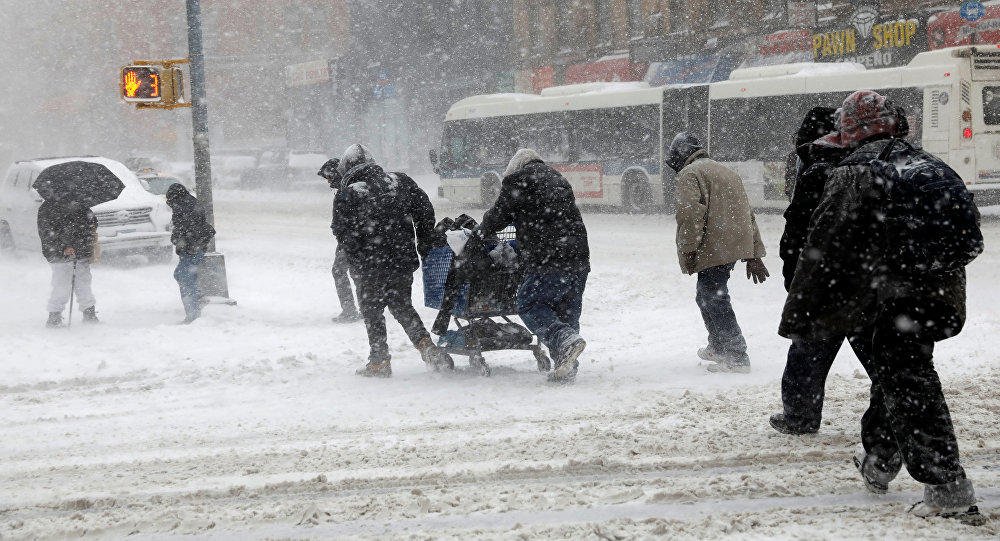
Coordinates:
[69,251]
[756,271]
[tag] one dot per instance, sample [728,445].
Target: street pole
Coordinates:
[199,114]
[212,281]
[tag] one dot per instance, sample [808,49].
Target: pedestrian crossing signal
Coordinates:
[142,84]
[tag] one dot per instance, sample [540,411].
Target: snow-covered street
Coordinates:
[250,423]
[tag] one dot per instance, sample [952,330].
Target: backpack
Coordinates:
[932,222]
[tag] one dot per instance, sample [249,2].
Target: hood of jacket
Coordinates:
[179,196]
[521,158]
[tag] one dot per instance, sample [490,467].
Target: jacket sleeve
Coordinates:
[422,212]
[338,223]
[759,251]
[805,199]
[52,246]
[502,213]
[692,213]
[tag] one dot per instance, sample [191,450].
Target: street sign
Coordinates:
[972,11]
[141,84]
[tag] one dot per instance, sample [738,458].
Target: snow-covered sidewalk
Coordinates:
[251,424]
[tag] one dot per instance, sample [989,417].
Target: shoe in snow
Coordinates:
[781,423]
[90,315]
[55,320]
[433,356]
[876,473]
[726,366]
[376,370]
[708,353]
[347,316]
[967,514]
[567,364]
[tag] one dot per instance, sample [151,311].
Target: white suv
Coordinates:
[137,221]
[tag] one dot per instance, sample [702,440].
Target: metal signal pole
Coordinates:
[199,114]
[212,276]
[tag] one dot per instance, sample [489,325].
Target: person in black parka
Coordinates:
[191,237]
[385,224]
[552,238]
[883,264]
[341,270]
[68,233]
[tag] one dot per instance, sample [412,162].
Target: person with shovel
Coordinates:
[69,243]
[68,230]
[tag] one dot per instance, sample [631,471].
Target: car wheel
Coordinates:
[490,191]
[6,240]
[637,195]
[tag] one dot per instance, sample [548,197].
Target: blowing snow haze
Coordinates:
[282,75]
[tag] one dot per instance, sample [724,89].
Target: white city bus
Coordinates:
[609,139]
[603,137]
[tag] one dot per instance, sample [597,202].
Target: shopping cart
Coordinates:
[478,291]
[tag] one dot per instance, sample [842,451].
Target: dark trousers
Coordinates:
[908,413]
[550,304]
[803,383]
[186,275]
[724,333]
[342,281]
[376,292]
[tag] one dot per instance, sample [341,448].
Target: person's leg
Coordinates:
[62,277]
[571,305]
[803,382]
[83,287]
[537,305]
[917,410]
[713,298]
[399,298]
[371,298]
[342,282]
[186,275]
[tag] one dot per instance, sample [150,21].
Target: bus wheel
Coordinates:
[637,196]
[490,190]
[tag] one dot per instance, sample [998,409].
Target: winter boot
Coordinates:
[347,316]
[951,500]
[376,369]
[567,364]
[708,353]
[730,366]
[433,356]
[875,472]
[781,423]
[90,315]
[55,320]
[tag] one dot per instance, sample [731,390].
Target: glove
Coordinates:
[756,271]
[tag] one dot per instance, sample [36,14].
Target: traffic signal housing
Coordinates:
[156,86]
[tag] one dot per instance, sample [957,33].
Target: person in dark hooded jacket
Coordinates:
[69,243]
[191,236]
[385,224]
[341,270]
[859,275]
[552,239]
[809,361]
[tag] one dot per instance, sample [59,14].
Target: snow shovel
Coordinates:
[72,293]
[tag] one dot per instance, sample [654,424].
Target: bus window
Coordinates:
[547,135]
[991,105]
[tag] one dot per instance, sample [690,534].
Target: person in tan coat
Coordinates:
[715,229]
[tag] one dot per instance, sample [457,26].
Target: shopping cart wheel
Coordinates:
[477,361]
[544,363]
